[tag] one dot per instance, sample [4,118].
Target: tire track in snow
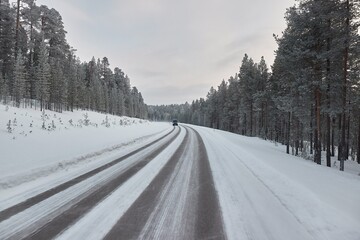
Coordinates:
[180,203]
[48,225]
[174,206]
[7,213]
[99,221]
[210,224]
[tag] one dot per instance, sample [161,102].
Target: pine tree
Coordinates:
[262,98]
[31,16]
[73,84]
[222,108]
[247,84]
[7,24]
[233,103]
[2,87]
[43,76]
[20,77]
[58,86]
[54,32]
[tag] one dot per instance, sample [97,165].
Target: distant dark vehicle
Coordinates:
[175,122]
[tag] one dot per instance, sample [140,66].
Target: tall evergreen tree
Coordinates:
[20,77]
[7,24]
[43,76]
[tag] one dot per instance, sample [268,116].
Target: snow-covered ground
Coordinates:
[264,193]
[40,144]
[267,194]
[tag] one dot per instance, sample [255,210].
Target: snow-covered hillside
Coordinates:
[35,144]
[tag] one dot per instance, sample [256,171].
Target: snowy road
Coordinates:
[162,190]
[192,183]
[180,203]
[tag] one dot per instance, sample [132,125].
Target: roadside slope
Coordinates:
[39,144]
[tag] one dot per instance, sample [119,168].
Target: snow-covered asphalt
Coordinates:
[162,190]
[48,213]
[180,203]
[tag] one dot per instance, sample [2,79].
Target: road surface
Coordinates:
[176,198]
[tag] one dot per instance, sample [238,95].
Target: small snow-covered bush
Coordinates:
[106,122]
[9,128]
[86,119]
[14,122]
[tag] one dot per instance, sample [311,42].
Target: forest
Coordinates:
[309,101]
[38,67]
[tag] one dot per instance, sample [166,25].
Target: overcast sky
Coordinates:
[173,50]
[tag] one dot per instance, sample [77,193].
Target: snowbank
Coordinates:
[35,144]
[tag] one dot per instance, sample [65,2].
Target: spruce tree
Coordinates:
[7,35]
[43,76]
[20,77]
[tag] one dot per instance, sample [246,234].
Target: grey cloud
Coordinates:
[232,57]
[149,73]
[244,41]
[173,51]
[175,94]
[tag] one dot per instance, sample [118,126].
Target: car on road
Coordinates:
[175,122]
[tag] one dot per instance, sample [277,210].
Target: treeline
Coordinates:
[310,101]
[38,66]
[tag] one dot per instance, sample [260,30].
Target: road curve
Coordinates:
[167,185]
[180,202]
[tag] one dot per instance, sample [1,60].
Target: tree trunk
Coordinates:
[251,118]
[328,145]
[301,137]
[288,134]
[339,136]
[297,138]
[266,121]
[333,138]
[316,143]
[311,131]
[328,126]
[317,157]
[245,125]
[347,138]
[342,152]
[358,150]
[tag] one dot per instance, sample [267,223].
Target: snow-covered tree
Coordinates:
[20,79]
[43,76]
[55,76]
[7,34]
